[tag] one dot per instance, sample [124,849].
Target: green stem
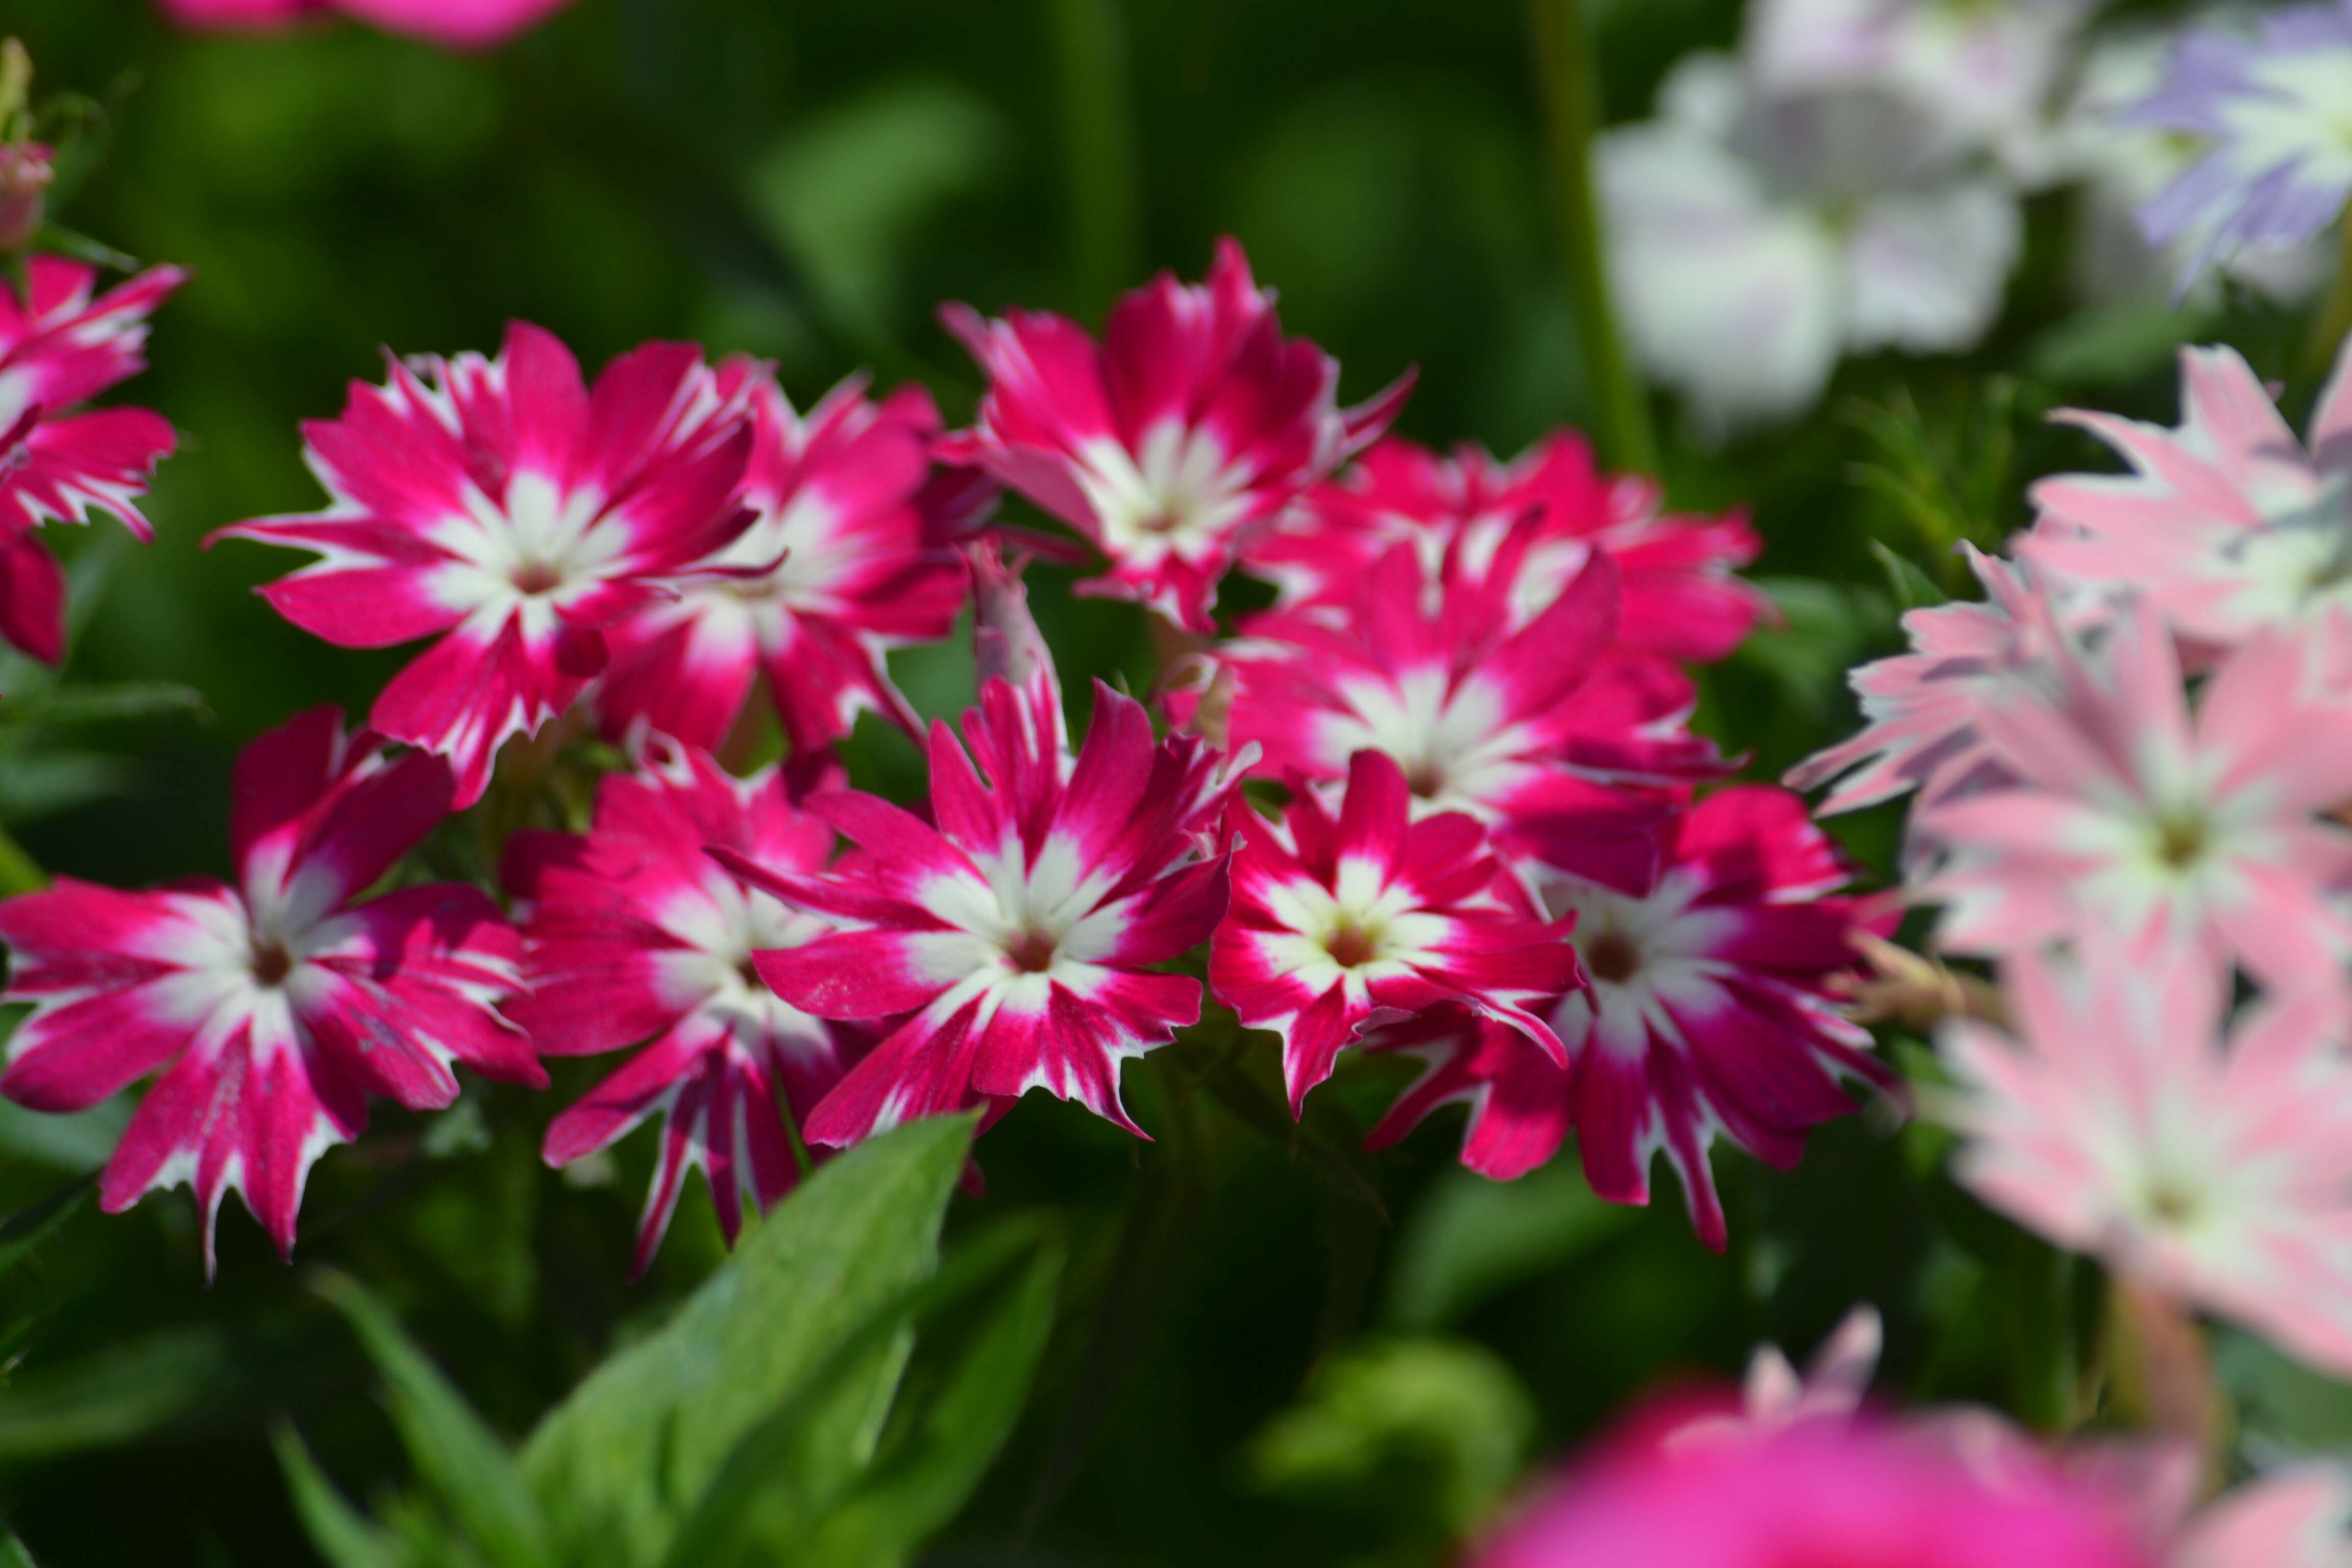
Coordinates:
[2328,333]
[19,872]
[1098,114]
[1570,91]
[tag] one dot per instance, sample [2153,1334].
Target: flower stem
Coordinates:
[2328,333]
[1569,87]
[1098,129]
[19,872]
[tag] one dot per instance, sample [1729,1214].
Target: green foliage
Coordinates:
[1471,1237]
[829,1395]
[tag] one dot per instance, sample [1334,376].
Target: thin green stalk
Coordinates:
[2328,333]
[1098,131]
[1570,89]
[19,872]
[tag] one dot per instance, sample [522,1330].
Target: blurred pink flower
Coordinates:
[2188,835]
[453,24]
[2119,1122]
[2228,524]
[1814,1494]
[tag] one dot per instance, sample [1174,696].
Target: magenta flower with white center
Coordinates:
[2228,524]
[1919,708]
[2269,110]
[838,567]
[2120,1122]
[1021,926]
[275,1007]
[1679,600]
[62,343]
[1708,1010]
[2200,834]
[1192,425]
[1347,920]
[634,936]
[502,507]
[452,24]
[1530,726]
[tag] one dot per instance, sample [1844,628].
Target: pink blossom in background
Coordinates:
[634,936]
[1919,708]
[1531,728]
[2190,836]
[1678,598]
[452,24]
[840,565]
[61,343]
[1774,1397]
[2120,1122]
[273,1008]
[2228,524]
[1345,919]
[1191,425]
[1020,928]
[503,507]
[2295,1519]
[1707,1011]
[1819,1494]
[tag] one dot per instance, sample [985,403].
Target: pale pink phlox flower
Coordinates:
[505,508]
[2195,835]
[274,1007]
[2119,1121]
[1192,425]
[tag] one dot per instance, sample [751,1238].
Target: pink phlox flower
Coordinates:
[61,343]
[1532,727]
[1020,928]
[2291,1519]
[452,24]
[1773,1396]
[501,507]
[2195,834]
[275,1007]
[2119,1121]
[634,936]
[840,565]
[2228,524]
[1679,600]
[1192,425]
[1344,919]
[1919,708]
[1708,1010]
[1814,1494]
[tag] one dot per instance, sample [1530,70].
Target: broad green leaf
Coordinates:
[1470,1238]
[115,1395]
[343,1536]
[622,1460]
[78,1142]
[1439,1426]
[465,1464]
[13,1553]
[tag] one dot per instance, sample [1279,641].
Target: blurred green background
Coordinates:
[1272,1350]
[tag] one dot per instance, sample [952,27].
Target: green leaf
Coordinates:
[774,1500]
[13,1553]
[620,1463]
[1912,588]
[123,700]
[1439,1428]
[115,1395]
[35,1223]
[79,1142]
[465,1464]
[343,1535]
[1470,1238]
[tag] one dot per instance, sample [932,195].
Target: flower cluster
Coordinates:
[1500,848]
[2132,761]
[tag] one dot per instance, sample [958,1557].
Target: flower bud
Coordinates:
[25,175]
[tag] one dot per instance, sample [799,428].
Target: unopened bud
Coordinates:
[25,177]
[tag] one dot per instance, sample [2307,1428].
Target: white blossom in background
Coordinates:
[1755,239]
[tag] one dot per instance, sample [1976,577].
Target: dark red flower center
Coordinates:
[1612,956]
[1350,945]
[750,970]
[536,577]
[1032,952]
[271,963]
